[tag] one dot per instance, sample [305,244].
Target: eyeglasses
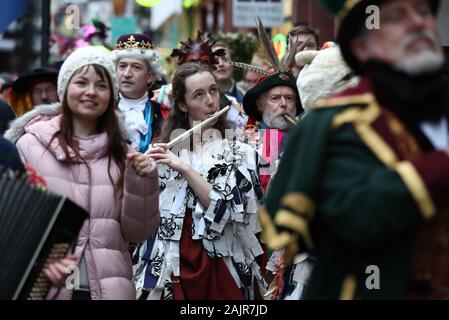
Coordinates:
[48,91]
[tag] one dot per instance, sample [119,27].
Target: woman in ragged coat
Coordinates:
[206,246]
[78,147]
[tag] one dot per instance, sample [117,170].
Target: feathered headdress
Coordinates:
[277,75]
[198,50]
[266,46]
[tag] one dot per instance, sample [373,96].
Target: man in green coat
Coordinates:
[364,181]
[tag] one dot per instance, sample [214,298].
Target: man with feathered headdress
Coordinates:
[272,104]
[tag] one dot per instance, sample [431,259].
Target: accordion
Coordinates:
[36,228]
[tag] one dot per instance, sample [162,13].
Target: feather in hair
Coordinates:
[262,54]
[289,55]
[252,68]
[268,45]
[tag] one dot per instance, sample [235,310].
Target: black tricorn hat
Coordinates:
[278,75]
[264,84]
[43,73]
[352,16]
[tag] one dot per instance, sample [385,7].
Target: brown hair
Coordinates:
[177,119]
[107,122]
[303,29]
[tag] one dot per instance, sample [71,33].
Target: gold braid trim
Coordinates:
[348,288]
[301,203]
[275,240]
[349,4]
[375,142]
[417,188]
[270,236]
[361,118]
[365,98]
[290,220]
[348,116]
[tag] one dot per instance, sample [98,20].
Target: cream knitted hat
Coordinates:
[82,57]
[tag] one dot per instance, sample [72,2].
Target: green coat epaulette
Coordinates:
[341,101]
[360,108]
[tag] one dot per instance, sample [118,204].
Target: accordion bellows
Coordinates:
[36,227]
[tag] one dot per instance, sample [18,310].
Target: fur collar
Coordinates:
[17,126]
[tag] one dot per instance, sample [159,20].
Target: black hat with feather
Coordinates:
[278,75]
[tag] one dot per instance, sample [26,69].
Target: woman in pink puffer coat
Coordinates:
[78,147]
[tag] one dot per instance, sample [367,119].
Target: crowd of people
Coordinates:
[325,163]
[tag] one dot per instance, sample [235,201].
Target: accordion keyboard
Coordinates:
[37,227]
[42,285]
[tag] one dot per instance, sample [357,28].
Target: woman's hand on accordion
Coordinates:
[57,272]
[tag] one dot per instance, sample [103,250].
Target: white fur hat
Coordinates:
[82,57]
[324,73]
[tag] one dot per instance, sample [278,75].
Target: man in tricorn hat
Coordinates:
[35,87]
[138,69]
[272,105]
[268,102]
[364,179]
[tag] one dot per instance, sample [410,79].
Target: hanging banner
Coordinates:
[245,13]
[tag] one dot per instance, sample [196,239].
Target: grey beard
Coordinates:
[426,62]
[275,122]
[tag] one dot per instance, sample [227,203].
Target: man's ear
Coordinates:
[259,104]
[150,78]
[359,49]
